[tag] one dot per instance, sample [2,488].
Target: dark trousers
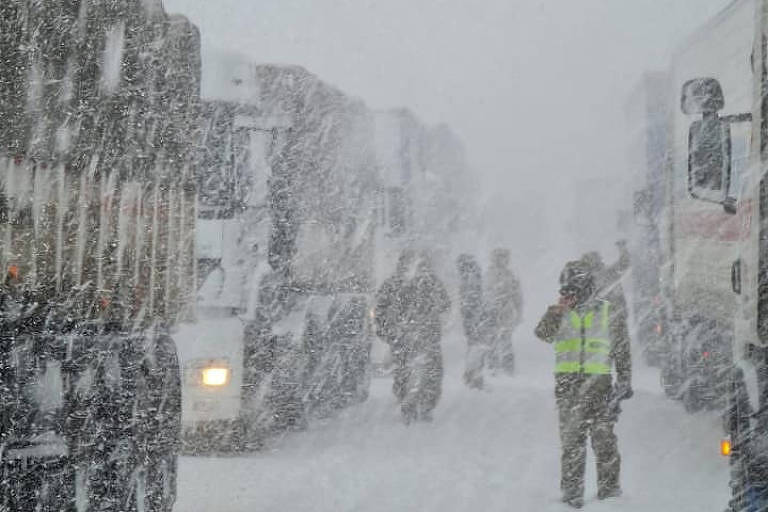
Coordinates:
[588,414]
[418,377]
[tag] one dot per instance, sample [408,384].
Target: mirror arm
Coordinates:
[737,118]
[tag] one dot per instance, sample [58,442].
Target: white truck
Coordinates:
[647,113]
[285,250]
[700,221]
[716,229]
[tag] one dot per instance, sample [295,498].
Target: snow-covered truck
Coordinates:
[700,222]
[286,232]
[647,114]
[718,203]
[98,104]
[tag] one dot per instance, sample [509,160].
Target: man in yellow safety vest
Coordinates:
[588,329]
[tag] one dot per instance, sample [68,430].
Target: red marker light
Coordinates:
[658,329]
[18,159]
[705,354]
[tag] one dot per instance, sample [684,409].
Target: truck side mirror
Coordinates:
[709,142]
[701,96]
[709,155]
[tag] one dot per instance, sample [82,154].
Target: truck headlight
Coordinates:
[215,376]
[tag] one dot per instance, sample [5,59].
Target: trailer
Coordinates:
[98,102]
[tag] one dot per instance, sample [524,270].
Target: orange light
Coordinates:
[725,447]
[13,272]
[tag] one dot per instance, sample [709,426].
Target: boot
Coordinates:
[573,501]
[612,492]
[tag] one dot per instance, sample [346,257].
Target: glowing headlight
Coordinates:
[215,376]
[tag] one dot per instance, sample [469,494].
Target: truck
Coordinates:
[286,229]
[307,198]
[647,115]
[98,102]
[699,222]
[715,227]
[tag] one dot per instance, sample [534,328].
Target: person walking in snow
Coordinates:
[588,329]
[425,300]
[390,319]
[505,311]
[473,318]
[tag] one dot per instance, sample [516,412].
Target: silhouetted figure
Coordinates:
[474,318]
[390,317]
[425,301]
[504,308]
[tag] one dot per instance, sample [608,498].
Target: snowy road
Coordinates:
[495,450]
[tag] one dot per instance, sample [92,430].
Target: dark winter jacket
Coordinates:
[426,299]
[389,312]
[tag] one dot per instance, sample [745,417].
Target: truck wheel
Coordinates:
[158,488]
[670,381]
[157,432]
[692,400]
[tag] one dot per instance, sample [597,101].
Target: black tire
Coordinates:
[159,485]
[157,435]
[692,400]
[671,381]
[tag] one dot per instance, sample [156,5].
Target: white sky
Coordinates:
[535,88]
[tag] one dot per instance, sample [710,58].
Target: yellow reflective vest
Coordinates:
[583,343]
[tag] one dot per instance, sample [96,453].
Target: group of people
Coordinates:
[409,313]
[587,328]
[490,311]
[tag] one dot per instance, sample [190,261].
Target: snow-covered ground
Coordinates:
[495,450]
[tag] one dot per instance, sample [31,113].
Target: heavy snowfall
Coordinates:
[387,255]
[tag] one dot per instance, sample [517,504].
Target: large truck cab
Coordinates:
[722,131]
[701,221]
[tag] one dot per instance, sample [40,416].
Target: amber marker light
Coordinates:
[725,447]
